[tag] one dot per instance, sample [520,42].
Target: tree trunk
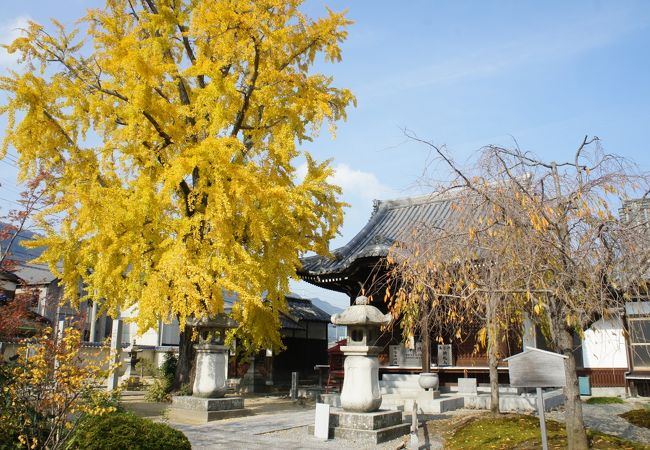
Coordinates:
[493,362]
[493,354]
[426,351]
[575,426]
[186,358]
[426,342]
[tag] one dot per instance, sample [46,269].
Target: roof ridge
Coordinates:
[431,197]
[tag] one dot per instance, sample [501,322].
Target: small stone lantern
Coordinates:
[360,391]
[130,376]
[212,356]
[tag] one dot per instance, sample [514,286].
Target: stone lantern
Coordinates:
[361,391]
[211,356]
[361,420]
[208,401]
[130,376]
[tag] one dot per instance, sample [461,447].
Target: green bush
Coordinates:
[185,389]
[160,389]
[604,400]
[125,430]
[168,367]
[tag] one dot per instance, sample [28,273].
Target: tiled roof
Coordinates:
[303,309]
[31,273]
[391,221]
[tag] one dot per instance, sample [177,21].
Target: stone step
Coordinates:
[399,377]
[429,406]
[372,437]
[399,383]
[552,399]
[402,390]
[368,437]
[365,421]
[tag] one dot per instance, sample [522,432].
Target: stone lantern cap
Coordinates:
[361,313]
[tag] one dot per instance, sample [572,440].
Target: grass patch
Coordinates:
[515,431]
[604,400]
[638,417]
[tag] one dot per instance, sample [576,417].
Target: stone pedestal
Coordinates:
[192,410]
[211,366]
[370,428]
[361,391]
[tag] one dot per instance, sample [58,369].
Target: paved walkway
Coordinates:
[249,432]
[280,424]
[279,430]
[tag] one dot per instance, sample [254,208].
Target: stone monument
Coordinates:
[360,417]
[208,401]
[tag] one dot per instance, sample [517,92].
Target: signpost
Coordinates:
[539,369]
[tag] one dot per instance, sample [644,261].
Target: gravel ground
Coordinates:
[605,418]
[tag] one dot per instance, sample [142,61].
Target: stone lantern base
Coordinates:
[370,428]
[193,410]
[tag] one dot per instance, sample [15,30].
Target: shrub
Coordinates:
[168,367]
[185,389]
[638,417]
[160,389]
[126,430]
[604,400]
[47,389]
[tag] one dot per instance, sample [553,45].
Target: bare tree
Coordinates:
[542,240]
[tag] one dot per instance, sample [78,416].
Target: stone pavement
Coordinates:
[248,432]
[279,430]
[605,418]
[287,430]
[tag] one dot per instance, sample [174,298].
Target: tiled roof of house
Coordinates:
[302,309]
[29,272]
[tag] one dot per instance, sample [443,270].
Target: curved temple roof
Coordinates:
[391,221]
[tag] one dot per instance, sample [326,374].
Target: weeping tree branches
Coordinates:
[528,237]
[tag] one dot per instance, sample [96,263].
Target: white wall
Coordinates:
[604,345]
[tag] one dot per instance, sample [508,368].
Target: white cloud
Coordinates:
[355,183]
[10,30]
[359,183]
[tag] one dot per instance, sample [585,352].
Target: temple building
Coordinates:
[359,268]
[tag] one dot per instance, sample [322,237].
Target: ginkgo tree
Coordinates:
[171,131]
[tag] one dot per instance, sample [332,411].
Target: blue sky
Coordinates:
[463,74]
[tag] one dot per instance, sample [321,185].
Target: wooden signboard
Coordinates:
[536,368]
[539,369]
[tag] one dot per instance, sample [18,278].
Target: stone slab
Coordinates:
[195,417]
[467,386]
[322,421]
[333,399]
[523,402]
[442,404]
[364,421]
[188,409]
[368,437]
[207,404]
